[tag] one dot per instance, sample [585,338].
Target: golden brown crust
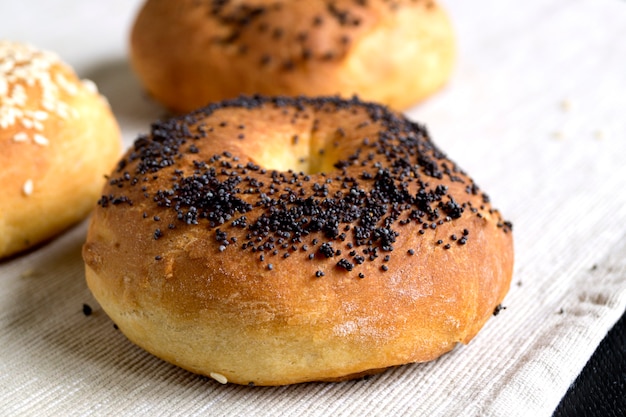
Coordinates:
[373,251]
[188,53]
[58,139]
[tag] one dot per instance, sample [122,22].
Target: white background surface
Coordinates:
[535,113]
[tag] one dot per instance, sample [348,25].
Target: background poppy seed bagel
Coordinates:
[188,53]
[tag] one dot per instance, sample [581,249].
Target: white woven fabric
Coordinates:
[535,113]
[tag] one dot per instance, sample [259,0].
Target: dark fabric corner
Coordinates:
[600,389]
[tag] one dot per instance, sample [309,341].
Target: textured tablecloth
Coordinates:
[535,113]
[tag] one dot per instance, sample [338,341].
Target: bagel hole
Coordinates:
[307,152]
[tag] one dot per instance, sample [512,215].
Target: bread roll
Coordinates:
[58,138]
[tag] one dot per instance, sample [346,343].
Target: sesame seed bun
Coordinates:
[277,240]
[58,138]
[188,53]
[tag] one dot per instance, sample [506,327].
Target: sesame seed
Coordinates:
[40,140]
[28,188]
[20,137]
[40,115]
[90,86]
[218,377]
